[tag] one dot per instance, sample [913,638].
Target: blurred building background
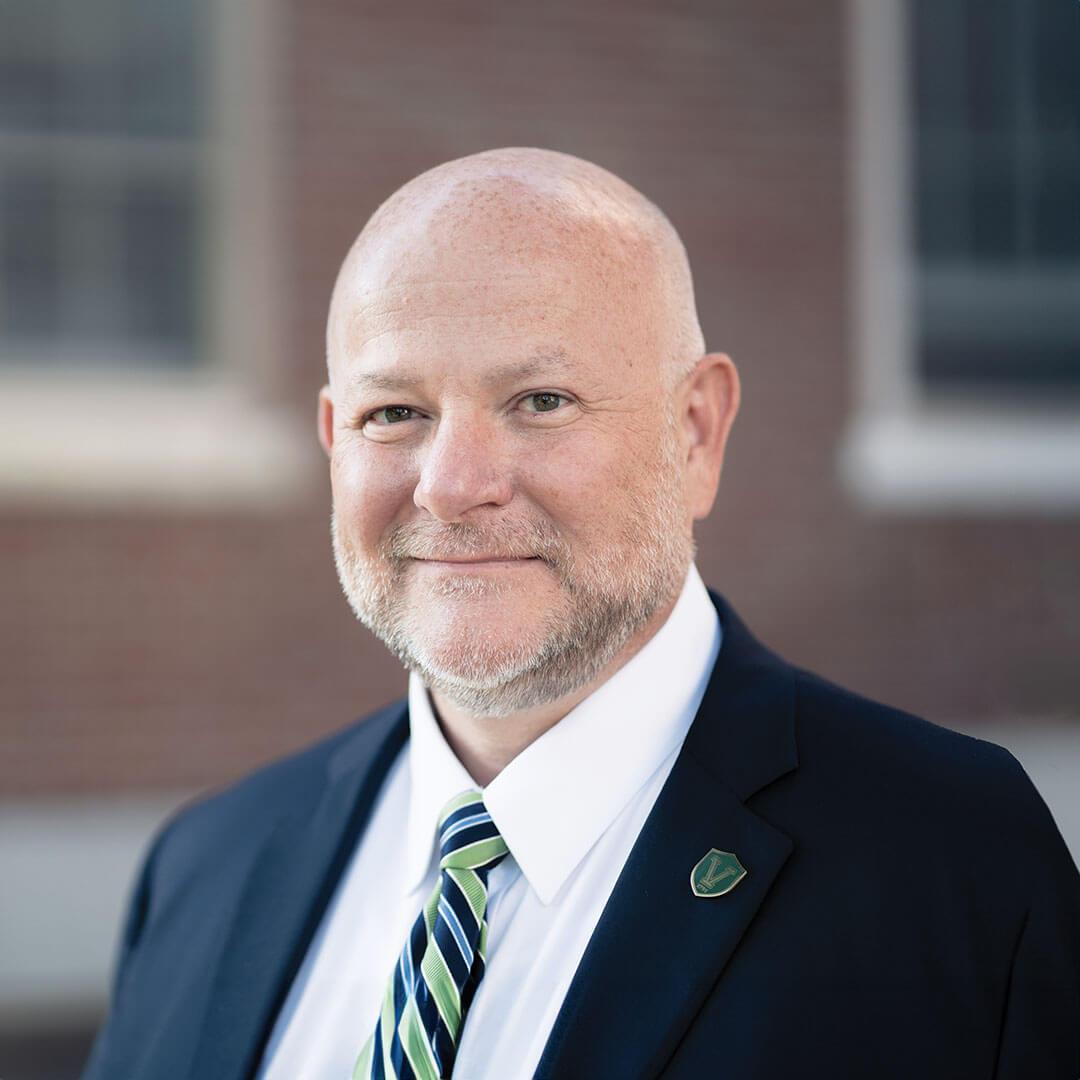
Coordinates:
[881,200]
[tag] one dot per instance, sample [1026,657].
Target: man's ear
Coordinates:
[708,402]
[326,420]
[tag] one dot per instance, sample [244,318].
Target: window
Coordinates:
[996,99]
[137,296]
[967,254]
[101,136]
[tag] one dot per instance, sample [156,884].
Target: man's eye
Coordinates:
[544,401]
[391,414]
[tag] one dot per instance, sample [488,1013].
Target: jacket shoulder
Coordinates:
[826,710]
[883,760]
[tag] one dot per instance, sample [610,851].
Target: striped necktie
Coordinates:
[442,962]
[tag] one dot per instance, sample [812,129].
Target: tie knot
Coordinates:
[468,839]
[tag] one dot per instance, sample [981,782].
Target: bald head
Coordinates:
[530,213]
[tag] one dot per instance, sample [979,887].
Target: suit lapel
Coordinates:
[658,949]
[298,864]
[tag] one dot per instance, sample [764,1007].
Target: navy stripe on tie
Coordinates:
[462,813]
[469,835]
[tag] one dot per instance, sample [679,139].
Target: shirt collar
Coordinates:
[435,777]
[546,802]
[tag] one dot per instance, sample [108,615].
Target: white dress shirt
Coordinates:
[570,807]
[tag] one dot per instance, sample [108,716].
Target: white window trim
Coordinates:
[203,438]
[900,451]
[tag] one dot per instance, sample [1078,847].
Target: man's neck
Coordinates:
[485,745]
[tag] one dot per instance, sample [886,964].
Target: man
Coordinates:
[609,835]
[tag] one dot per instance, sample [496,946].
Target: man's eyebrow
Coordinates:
[542,363]
[379,380]
[390,381]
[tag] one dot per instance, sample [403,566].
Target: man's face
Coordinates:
[506,466]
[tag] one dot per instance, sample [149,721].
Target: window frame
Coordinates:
[901,450]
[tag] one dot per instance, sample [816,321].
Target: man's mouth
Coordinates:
[477,560]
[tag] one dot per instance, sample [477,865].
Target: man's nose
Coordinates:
[461,468]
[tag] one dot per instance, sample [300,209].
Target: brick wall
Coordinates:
[180,650]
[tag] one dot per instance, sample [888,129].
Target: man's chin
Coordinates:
[473,659]
[479,613]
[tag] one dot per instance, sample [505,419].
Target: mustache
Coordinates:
[513,540]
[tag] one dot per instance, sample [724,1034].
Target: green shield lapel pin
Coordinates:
[716,874]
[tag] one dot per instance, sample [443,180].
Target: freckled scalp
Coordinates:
[530,207]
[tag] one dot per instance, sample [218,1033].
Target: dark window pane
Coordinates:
[1000,332]
[29,250]
[996,184]
[119,67]
[994,370]
[91,264]
[997,128]
[1057,206]
[159,262]
[99,193]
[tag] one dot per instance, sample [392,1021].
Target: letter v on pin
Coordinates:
[716,874]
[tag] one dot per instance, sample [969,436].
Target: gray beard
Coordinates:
[610,599]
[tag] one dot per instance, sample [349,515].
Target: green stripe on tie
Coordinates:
[362,1069]
[443,988]
[466,798]
[474,891]
[475,854]
[415,1041]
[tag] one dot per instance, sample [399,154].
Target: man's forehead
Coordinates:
[404,373]
[497,298]
[430,287]
[419,265]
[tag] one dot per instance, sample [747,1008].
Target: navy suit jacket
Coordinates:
[910,909]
